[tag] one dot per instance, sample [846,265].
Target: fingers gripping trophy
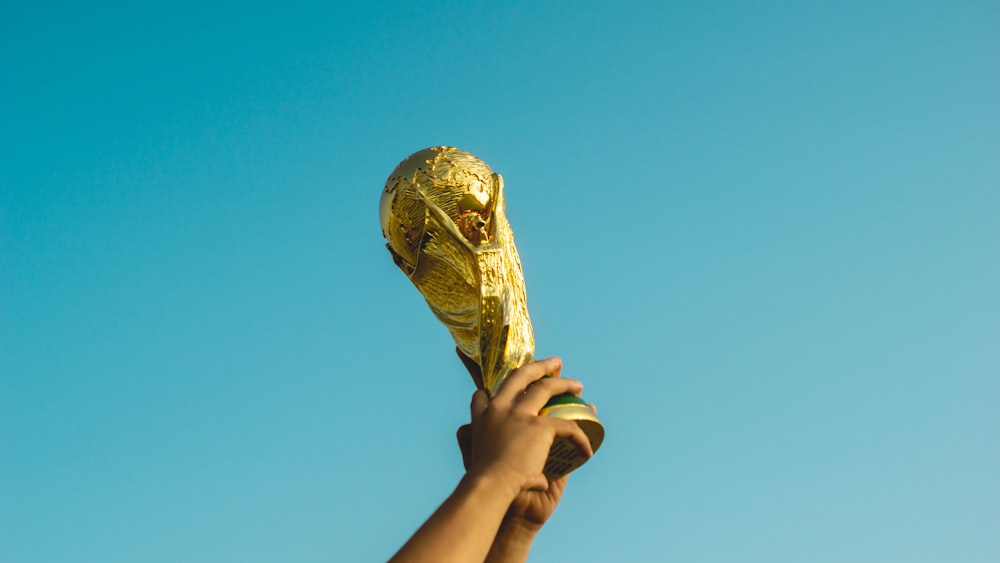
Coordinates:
[442,213]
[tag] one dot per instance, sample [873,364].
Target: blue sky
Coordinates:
[764,235]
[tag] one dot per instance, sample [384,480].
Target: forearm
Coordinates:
[513,541]
[465,525]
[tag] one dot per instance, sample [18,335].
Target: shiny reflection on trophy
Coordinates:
[442,213]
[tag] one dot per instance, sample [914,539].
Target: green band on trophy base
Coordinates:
[564,457]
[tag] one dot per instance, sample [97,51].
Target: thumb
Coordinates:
[480,400]
[537,483]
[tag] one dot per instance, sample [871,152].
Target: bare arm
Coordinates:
[463,528]
[510,444]
[525,517]
[530,509]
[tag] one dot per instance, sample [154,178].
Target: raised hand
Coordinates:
[535,504]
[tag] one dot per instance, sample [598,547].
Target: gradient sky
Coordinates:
[765,235]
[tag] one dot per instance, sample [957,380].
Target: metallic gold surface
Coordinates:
[442,213]
[563,457]
[443,216]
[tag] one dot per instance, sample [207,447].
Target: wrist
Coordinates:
[513,541]
[492,484]
[519,528]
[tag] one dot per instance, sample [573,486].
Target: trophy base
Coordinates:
[563,457]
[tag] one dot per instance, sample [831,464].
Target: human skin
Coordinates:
[524,518]
[509,443]
[530,509]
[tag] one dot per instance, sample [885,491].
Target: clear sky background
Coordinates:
[765,235]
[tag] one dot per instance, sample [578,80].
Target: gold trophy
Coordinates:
[442,213]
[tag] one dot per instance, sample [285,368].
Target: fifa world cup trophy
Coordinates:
[442,213]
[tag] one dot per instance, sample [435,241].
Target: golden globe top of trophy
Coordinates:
[442,213]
